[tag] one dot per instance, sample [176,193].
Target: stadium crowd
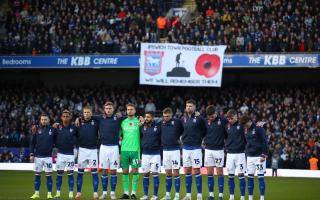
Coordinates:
[292,114]
[94,26]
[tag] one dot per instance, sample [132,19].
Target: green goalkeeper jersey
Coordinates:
[130,135]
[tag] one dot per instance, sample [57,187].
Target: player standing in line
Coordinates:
[214,149]
[171,130]
[130,151]
[88,153]
[236,159]
[256,151]
[65,140]
[41,145]
[151,160]
[193,133]
[109,131]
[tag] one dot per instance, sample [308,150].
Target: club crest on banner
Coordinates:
[153,62]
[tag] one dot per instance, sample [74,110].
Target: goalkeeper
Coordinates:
[130,151]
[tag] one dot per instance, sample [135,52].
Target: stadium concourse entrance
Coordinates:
[129,78]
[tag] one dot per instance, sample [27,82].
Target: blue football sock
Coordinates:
[188,182]
[37,182]
[262,184]
[231,184]
[114,180]
[250,184]
[80,180]
[221,184]
[177,183]
[210,183]
[168,183]
[242,185]
[145,185]
[49,183]
[104,181]
[95,180]
[59,181]
[155,184]
[70,181]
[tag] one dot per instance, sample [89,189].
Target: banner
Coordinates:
[181,65]
[255,61]
[271,60]
[76,61]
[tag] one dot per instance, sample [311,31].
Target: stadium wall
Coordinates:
[130,77]
[281,172]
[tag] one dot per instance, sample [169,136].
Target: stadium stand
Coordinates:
[93,26]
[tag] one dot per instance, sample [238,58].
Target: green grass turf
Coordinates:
[19,185]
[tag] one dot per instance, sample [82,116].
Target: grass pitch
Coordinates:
[19,185]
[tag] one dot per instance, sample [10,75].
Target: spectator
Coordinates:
[314,162]
[226,18]
[7,156]
[209,12]
[161,24]
[300,162]
[275,164]
[150,106]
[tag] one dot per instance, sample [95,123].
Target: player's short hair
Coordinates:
[191,101]
[231,113]
[210,110]
[150,113]
[167,110]
[87,108]
[65,111]
[108,103]
[130,105]
[44,115]
[244,119]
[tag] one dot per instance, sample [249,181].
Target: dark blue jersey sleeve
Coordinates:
[225,123]
[203,127]
[180,127]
